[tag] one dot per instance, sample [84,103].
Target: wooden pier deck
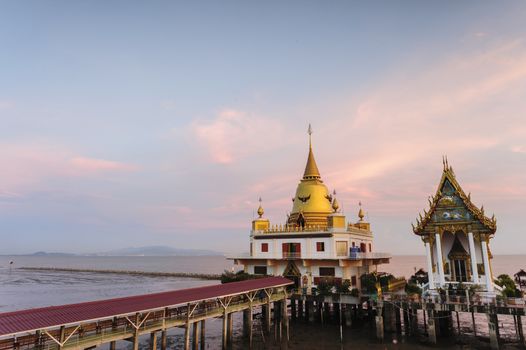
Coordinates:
[90,324]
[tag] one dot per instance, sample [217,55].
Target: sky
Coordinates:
[137,123]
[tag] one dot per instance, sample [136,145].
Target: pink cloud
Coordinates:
[235,134]
[98,165]
[26,167]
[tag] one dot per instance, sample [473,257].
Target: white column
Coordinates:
[440,261]
[429,266]
[473,254]
[487,270]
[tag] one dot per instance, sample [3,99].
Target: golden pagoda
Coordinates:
[312,203]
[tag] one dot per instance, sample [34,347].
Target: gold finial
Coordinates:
[335,204]
[311,169]
[361,215]
[260,209]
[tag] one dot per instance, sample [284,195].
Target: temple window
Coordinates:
[327,272]
[264,247]
[260,270]
[341,248]
[353,281]
[370,247]
[320,246]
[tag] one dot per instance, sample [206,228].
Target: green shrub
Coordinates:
[324,287]
[413,289]
[228,276]
[343,288]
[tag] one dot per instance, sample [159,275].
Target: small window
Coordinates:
[264,247]
[320,246]
[327,272]
[341,248]
[353,244]
[353,281]
[370,247]
[260,270]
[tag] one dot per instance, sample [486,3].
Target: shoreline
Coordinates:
[203,276]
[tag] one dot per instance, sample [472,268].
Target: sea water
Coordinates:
[21,289]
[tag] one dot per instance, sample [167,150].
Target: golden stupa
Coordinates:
[312,202]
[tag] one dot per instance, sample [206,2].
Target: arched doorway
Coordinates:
[292,273]
[459,261]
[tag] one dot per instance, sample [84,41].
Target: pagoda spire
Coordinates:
[311,169]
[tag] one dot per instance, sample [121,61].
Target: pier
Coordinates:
[427,319]
[90,324]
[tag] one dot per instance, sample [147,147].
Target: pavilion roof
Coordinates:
[451,205]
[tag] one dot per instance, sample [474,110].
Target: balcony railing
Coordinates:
[360,256]
[291,255]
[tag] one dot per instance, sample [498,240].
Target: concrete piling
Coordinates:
[153,341]
[431,327]
[493,325]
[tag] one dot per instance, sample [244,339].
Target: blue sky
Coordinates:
[127,123]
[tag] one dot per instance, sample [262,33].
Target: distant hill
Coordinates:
[51,254]
[158,251]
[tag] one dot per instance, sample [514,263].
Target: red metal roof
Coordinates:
[51,316]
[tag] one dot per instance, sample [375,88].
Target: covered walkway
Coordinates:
[89,324]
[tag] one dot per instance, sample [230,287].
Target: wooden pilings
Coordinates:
[203,334]
[153,341]
[493,324]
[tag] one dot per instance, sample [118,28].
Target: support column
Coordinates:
[379,321]
[347,315]
[487,269]
[136,333]
[62,335]
[293,308]
[225,326]
[429,266]
[113,344]
[230,328]
[285,316]
[431,327]
[493,324]
[203,334]
[187,330]
[250,325]
[519,329]
[473,254]
[440,260]
[195,338]
[310,311]
[153,341]
[163,339]
[267,316]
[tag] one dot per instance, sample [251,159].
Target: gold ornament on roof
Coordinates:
[335,204]
[260,209]
[361,215]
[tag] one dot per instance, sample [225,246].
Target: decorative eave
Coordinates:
[448,174]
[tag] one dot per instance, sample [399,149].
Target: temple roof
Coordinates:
[451,206]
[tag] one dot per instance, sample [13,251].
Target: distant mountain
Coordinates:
[158,251]
[51,254]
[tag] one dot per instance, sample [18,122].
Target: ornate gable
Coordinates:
[451,207]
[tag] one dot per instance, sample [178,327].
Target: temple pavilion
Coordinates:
[456,236]
[316,242]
